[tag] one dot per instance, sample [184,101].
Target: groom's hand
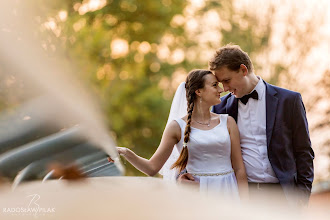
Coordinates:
[186,178]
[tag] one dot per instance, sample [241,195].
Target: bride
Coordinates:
[209,143]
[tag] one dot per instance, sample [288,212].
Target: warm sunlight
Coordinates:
[119,48]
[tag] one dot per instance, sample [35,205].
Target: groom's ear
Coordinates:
[244,69]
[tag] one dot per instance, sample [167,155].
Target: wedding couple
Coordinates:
[255,139]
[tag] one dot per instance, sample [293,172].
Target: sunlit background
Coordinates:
[133,54]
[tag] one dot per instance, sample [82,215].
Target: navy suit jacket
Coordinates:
[288,143]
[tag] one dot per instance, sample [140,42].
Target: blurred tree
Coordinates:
[135,53]
[116,47]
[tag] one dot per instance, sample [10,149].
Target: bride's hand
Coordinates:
[187,179]
[121,151]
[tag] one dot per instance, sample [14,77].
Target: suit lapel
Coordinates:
[271,108]
[232,107]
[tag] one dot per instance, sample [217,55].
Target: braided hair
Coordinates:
[194,81]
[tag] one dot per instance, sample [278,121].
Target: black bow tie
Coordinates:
[245,98]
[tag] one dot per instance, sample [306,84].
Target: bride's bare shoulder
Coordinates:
[173,125]
[173,129]
[214,114]
[185,118]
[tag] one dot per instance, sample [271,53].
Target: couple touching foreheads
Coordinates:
[255,139]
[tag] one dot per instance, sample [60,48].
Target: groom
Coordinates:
[276,147]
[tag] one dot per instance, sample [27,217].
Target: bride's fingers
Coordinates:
[121,150]
[189,176]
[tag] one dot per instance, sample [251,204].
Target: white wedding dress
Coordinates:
[209,159]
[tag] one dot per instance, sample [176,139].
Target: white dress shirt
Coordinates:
[251,122]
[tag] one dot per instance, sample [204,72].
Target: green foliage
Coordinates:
[132,100]
[133,104]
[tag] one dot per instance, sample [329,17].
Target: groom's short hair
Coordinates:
[230,56]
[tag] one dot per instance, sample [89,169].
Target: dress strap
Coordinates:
[181,123]
[223,119]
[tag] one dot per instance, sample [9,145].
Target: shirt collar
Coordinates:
[260,88]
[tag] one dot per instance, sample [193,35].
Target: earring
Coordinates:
[200,101]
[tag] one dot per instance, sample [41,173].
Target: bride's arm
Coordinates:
[236,159]
[171,136]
